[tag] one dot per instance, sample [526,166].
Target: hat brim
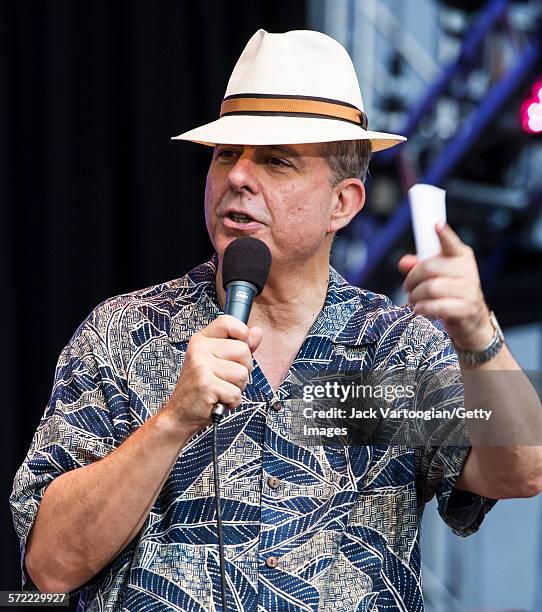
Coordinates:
[269,130]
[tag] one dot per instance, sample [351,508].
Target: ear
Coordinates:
[348,200]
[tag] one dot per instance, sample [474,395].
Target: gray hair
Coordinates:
[347,159]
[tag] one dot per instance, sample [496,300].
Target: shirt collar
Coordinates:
[347,316]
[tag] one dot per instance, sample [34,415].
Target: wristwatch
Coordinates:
[476,358]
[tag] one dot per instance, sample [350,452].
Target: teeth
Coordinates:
[240,218]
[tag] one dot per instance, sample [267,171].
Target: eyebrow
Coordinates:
[286,150]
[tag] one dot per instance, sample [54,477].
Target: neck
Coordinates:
[292,298]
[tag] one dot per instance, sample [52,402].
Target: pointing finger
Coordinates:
[450,243]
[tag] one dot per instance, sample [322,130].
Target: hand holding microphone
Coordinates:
[216,369]
[245,269]
[218,359]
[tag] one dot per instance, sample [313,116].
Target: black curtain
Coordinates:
[96,200]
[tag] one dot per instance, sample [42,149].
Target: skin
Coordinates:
[448,287]
[88,515]
[288,192]
[297,210]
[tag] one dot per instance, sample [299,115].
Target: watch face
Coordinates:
[475,358]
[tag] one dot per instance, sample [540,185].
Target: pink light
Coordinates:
[531,110]
[535,124]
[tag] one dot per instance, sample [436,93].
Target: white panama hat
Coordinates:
[292,88]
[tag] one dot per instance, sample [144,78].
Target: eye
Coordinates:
[225,153]
[277,162]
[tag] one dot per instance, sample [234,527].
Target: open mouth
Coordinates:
[239,218]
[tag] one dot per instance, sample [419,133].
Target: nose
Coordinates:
[242,177]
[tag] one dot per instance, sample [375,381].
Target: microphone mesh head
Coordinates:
[247,259]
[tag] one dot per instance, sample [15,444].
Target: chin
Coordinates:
[221,242]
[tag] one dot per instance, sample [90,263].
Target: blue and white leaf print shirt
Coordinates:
[341,523]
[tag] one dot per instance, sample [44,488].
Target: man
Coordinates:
[115,498]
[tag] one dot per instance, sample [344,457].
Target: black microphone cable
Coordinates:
[218,413]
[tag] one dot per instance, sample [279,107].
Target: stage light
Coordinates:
[531,110]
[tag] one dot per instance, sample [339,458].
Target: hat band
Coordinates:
[304,106]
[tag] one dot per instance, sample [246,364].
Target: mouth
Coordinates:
[240,217]
[240,221]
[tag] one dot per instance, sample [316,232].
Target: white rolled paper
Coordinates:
[427,207]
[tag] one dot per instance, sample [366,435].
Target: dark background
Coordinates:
[95,198]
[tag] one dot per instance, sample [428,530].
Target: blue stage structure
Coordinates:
[451,154]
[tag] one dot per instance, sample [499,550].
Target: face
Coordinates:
[279,194]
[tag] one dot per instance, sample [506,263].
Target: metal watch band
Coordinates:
[476,358]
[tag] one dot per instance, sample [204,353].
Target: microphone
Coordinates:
[245,269]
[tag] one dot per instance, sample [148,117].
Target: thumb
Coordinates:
[406,263]
[255,335]
[450,243]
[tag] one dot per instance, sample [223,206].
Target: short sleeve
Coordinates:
[82,423]
[439,389]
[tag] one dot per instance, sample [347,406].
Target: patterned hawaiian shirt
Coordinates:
[341,524]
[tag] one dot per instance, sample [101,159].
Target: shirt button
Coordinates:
[273,482]
[272,561]
[277,406]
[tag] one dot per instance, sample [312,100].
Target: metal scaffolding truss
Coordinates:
[527,57]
